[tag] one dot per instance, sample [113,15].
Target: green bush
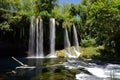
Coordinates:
[44,14]
[86,42]
[5,26]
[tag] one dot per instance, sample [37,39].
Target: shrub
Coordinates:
[86,42]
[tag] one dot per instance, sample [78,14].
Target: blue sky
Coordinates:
[69,1]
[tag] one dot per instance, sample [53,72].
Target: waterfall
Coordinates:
[31,50]
[75,41]
[66,39]
[41,38]
[67,44]
[36,38]
[52,36]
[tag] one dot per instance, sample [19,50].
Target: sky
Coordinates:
[69,1]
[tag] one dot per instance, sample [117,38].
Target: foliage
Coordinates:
[97,21]
[5,26]
[11,27]
[8,20]
[105,16]
[73,9]
[86,42]
[4,4]
[44,14]
[90,52]
[29,7]
[100,20]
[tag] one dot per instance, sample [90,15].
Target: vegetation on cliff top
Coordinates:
[97,21]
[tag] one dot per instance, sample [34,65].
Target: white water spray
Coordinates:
[52,37]
[67,44]
[75,41]
[31,50]
[36,38]
[40,46]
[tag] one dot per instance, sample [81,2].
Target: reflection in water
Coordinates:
[59,69]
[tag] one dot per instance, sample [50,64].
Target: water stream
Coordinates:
[40,46]
[38,68]
[75,41]
[59,69]
[95,69]
[52,37]
[36,38]
[67,44]
[31,50]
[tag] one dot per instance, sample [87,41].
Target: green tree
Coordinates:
[29,7]
[82,11]
[73,9]
[4,4]
[105,22]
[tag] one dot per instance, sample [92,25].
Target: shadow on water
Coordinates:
[36,69]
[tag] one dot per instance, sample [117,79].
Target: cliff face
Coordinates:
[14,31]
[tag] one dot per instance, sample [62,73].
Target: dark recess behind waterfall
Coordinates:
[13,44]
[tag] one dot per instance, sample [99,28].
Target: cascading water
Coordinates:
[52,37]
[67,44]
[40,50]
[66,39]
[36,38]
[31,50]
[75,39]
